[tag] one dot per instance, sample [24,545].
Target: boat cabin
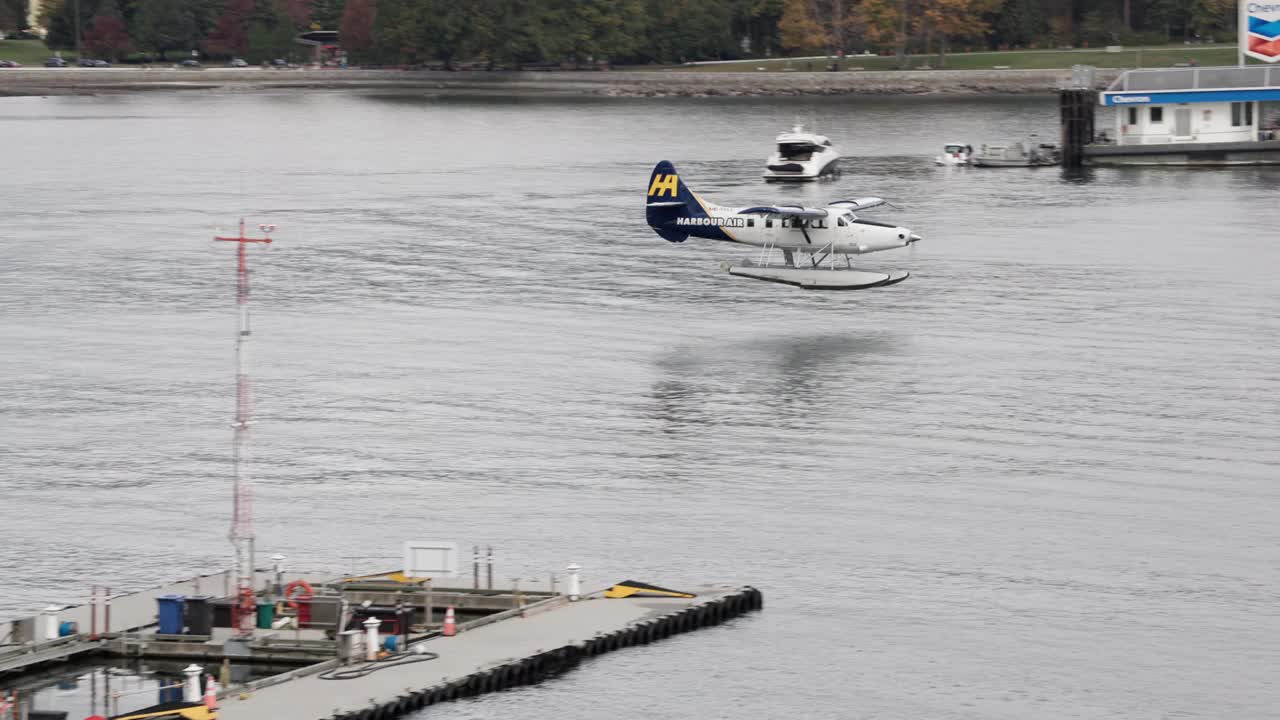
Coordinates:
[1195,105]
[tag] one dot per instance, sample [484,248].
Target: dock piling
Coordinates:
[489,561]
[475,567]
[1076,102]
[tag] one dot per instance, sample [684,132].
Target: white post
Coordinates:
[191,690]
[49,623]
[277,565]
[371,638]
[575,582]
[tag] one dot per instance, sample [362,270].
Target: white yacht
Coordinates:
[955,154]
[802,157]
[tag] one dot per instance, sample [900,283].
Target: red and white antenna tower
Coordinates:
[246,606]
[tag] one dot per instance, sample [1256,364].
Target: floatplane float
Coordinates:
[811,239]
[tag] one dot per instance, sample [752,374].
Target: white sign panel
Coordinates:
[1260,29]
[423,558]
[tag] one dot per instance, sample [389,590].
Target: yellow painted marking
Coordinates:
[663,184]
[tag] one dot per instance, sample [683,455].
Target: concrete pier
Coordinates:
[513,637]
[491,654]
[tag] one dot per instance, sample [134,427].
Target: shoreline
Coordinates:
[26,82]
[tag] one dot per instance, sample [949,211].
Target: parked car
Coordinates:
[238,62]
[87,62]
[9,63]
[55,62]
[280,62]
[190,64]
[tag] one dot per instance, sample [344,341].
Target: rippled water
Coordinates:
[1038,479]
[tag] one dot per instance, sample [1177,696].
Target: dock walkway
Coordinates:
[130,612]
[512,651]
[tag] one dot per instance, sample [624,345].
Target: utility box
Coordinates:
[223,615]
[199,615]
[169,614]
[266,615]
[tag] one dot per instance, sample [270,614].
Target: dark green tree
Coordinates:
[327,14]
[1018,23]
[165,25]
[271,32]
[690,30]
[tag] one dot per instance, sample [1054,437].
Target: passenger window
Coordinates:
[1157,115]
[751,222]
[1133,116]
[768,222]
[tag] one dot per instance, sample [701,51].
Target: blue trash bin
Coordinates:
[170,614]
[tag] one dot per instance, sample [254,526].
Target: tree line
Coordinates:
[519,33]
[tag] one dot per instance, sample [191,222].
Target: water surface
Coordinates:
[1038,479]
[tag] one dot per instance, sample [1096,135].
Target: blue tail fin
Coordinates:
[668,200]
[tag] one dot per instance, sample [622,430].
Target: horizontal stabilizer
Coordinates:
[794,211]
[857,203]
[631,588]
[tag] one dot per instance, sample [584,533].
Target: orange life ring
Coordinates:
[295,585]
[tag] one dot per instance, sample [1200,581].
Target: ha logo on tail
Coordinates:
[816,243]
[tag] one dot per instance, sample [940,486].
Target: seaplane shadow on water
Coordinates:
[816,243]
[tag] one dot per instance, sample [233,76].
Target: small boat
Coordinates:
[802,157]
[1018,154]
[955,154]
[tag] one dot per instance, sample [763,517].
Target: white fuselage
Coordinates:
[841,232]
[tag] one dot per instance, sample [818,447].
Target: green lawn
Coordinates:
[31,53]
[1163,56]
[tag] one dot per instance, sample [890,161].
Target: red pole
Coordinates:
[242,536]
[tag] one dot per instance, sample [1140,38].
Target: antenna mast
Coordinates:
[245,607]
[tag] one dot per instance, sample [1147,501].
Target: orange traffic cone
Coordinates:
[211,693]
[450,624]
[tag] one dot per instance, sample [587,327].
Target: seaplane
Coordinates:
[816,243]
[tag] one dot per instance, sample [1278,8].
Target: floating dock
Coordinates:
[512,637]
[493,654]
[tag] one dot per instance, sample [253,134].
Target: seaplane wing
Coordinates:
[816,243]
[857,203]
[786,211]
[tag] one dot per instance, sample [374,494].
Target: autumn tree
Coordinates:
[884,22]
[107,36]
[356,29]
[799,29]
[230,34]
[952,19]
[298,11]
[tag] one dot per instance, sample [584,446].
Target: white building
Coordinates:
[1213,115]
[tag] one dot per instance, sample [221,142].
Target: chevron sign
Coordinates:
[1260,29]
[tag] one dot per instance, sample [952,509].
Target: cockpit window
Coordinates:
[840,221]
